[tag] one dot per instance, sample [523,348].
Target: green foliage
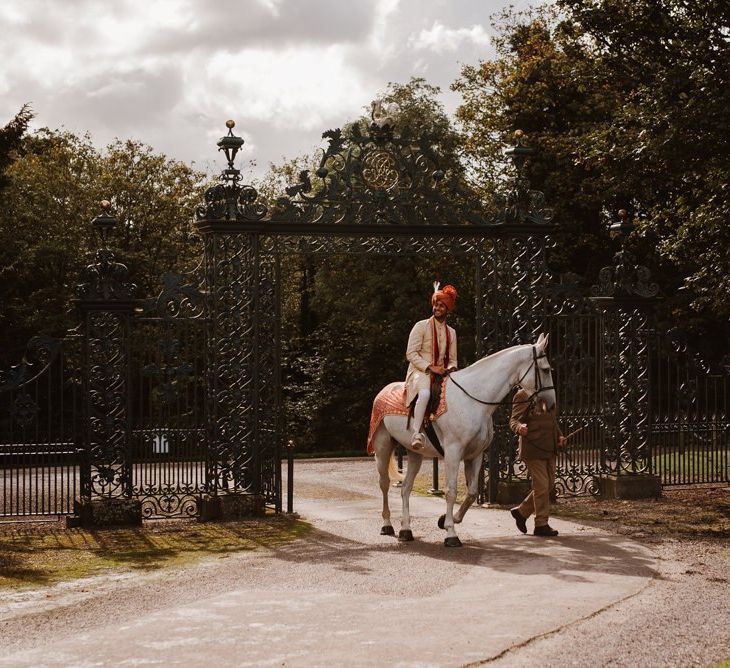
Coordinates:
[628,104]
[691,465]
[352,341]
[55,186]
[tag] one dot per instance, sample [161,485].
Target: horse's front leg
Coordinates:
[414,465]
[451,462]
[471,473]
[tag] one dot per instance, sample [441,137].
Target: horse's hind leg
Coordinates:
[414,465]
[383,459]
[471,473]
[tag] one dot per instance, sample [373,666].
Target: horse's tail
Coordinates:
[393,471]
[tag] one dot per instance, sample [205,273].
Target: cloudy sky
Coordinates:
[170,72]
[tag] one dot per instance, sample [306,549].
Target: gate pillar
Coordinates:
[106,301]
[624,297]
[243,471]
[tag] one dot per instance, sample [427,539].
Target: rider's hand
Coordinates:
[562,441]
[522,430]
[438,370]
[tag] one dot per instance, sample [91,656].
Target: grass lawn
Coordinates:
[46,553]
[692,466]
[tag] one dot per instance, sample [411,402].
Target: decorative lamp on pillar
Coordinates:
[523,204]
[105,279]
[229,200]
[230,144]
[623,227]
[104,222]
[519,153]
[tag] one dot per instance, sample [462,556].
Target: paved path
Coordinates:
[344,595]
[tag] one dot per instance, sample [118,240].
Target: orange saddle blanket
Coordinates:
[391,400]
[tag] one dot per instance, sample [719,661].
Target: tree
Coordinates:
[673,145]
[154,199]
[627,103]
[537,86]
[11,137]
[55,187]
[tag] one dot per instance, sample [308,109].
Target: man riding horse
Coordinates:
[431,354]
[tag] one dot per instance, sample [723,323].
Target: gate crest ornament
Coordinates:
[384,173]
[379,170]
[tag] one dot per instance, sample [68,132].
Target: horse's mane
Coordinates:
[492,357]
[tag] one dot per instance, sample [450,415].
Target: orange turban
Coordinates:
[446,295]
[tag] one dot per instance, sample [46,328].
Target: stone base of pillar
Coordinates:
[106,513]
[628,486]
[513,492]
[231,507]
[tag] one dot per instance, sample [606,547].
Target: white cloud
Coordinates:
[293,87]
[170,72]
[441,39]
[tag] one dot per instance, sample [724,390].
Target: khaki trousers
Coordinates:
[542,472]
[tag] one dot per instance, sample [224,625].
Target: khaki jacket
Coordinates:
[418,354]
[541,441]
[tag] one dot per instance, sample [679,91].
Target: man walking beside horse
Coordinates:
[540,439]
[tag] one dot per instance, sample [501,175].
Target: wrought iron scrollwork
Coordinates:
[377,176]
[233,202]
[40,352]
[24,409]
[107,419]
[105,279]
[171,373]
[180,297]
[625,279]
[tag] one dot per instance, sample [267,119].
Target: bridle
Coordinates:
[538,382]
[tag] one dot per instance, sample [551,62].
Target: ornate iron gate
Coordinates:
[168,434]
[40,429]
[177,400]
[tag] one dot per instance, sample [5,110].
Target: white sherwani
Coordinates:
[419,351]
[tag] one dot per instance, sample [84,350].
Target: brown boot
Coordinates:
[520,521]
[545,530]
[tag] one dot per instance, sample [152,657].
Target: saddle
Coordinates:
[434,402]
[391,401]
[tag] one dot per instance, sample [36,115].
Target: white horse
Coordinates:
[465,429]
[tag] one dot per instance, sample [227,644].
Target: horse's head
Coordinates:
[536,376]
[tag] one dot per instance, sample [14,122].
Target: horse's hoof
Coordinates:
[452,541]
[442,522]
[405,535]
[387,530]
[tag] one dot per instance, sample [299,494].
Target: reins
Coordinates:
[538,384]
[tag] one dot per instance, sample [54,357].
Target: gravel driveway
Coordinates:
[345,595]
